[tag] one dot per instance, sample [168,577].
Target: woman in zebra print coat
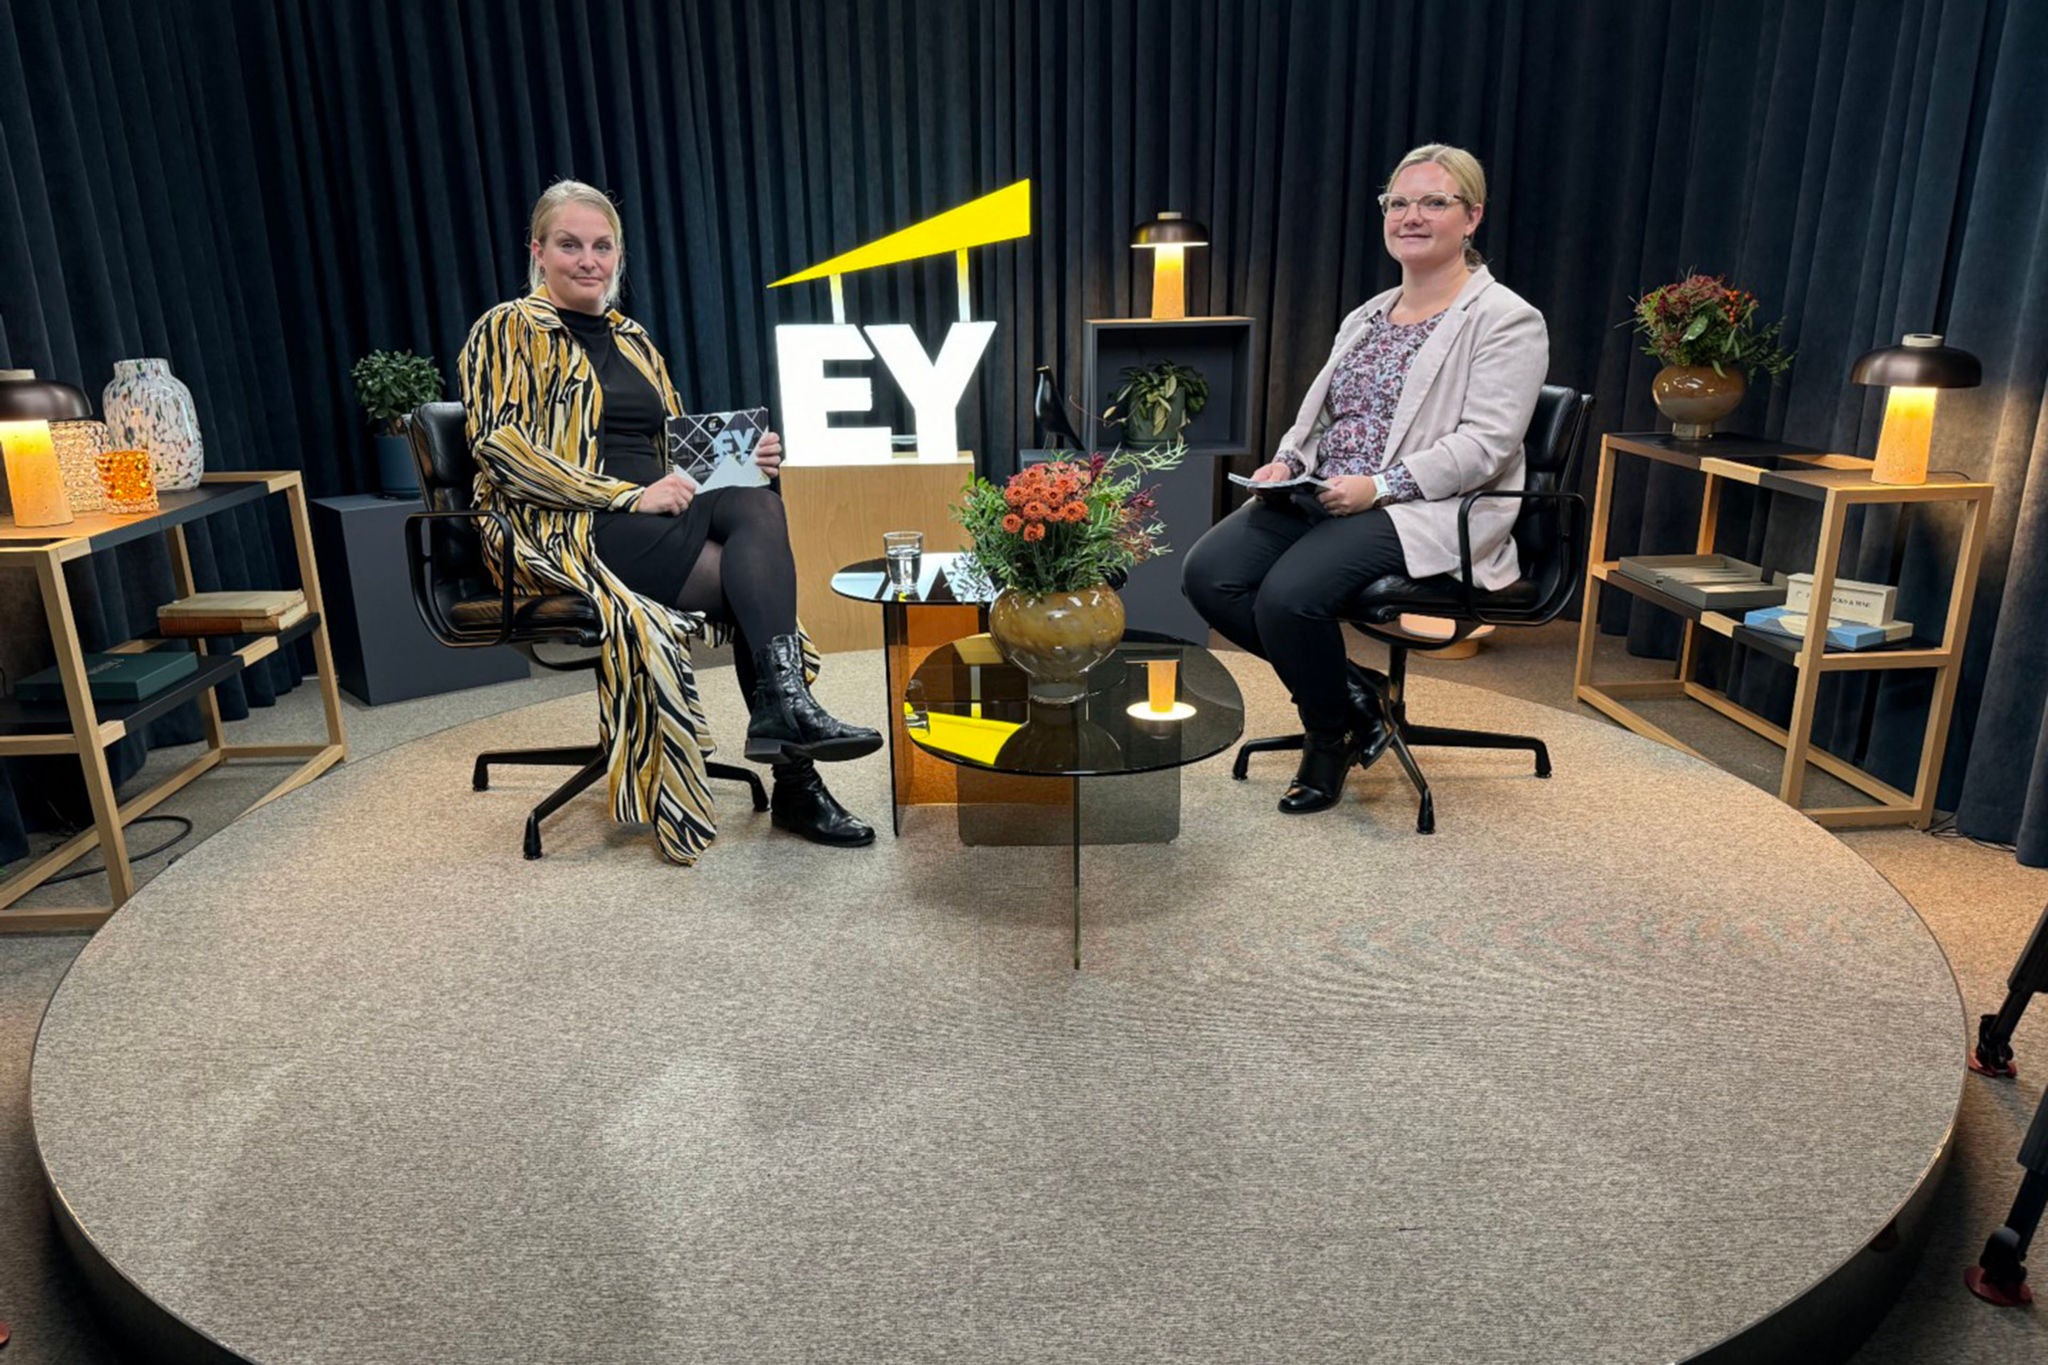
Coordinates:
[565,400]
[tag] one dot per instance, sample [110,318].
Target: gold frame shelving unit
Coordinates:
[1838,483]
[83,727]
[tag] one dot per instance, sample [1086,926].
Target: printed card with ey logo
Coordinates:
[716,449]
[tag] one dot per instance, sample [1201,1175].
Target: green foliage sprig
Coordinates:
[1700,320]
[1145,401]
[1068,524]
[390,384]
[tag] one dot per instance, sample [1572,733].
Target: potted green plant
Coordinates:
[1051,539]
[1156,402]
[1707,335]
[389,385]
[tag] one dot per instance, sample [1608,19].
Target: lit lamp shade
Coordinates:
[1168,237]
[1912,371]
[35,481]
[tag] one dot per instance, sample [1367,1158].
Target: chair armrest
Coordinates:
[419,562]
[1576,507]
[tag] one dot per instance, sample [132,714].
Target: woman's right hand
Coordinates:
[1275,472]
[667,496]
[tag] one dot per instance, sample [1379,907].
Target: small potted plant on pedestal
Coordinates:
[389,385]
[1707,335]
[1157,402]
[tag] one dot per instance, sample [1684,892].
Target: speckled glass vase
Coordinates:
[148,408]
[79,445]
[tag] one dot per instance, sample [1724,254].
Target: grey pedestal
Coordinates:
[382,650]
[1221,349]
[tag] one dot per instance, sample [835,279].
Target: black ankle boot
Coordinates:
[1370,731]
[1325,758]
[785,720]
[799,803]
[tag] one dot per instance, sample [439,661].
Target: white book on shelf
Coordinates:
[1870,604]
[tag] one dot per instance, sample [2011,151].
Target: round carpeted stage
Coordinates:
[1629,1065]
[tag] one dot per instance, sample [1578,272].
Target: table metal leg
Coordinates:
[1077,873]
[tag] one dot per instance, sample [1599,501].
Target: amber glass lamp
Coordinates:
[1168,238]
[1912,371]
[35,481]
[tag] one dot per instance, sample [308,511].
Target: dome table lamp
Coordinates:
[35,481]
[1912,371]
[1168,237]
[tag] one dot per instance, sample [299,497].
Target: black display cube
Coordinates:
[1190,496]
[382,650]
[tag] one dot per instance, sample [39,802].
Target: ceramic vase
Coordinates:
[79,447]
[1695,397]
[1057,637]
[148,408]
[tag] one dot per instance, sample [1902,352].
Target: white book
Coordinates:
[1869,604]
[1270,485]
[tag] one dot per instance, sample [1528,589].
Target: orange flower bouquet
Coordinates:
[1068,524]
[1053,539]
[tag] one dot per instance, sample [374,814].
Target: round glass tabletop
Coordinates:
[967,706]
[937,578]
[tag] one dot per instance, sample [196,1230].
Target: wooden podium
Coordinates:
[837,514]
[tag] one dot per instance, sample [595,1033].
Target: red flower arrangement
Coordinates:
[1701,320]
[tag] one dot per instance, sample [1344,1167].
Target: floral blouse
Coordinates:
[1363,394]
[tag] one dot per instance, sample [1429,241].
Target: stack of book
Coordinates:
[1859,614]
[115,677]
[232,613]
[1709,582]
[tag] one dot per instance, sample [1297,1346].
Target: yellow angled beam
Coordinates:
[996,217]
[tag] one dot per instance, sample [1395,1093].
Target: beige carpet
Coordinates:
[353,1078]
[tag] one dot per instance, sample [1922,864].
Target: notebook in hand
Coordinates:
[716,449]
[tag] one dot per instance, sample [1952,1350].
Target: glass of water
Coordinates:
[905,552]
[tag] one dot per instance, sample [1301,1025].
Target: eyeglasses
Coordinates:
[1432,205]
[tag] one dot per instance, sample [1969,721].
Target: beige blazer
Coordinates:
[1464,409]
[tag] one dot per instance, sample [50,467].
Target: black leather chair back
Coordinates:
[1544,531]
[439,433]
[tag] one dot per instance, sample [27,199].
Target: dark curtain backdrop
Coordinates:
[265,191]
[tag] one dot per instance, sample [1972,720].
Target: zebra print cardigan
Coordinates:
[532,401]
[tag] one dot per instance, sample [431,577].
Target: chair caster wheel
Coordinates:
[1238,769]
[480,779]
[1425,820]
[1542,763]
[532,839]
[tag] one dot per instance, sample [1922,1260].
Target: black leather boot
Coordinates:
[785,720]
[1325,758]
[1370,733]
[799,803]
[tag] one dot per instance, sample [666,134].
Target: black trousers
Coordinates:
[1272,576]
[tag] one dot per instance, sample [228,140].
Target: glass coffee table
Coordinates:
[943,604]
[1023,763]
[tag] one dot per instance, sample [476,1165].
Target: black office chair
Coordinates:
[1550,541]
[466,610]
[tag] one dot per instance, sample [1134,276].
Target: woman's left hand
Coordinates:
[768,454]
[1349,494]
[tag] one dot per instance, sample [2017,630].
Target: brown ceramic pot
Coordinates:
[1694,397]
[1057,637]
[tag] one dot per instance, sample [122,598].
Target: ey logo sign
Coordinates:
[932,384]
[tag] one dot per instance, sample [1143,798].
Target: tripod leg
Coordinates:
[2000,1275]
[1993,1053]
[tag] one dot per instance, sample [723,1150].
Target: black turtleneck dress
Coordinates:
[653,554]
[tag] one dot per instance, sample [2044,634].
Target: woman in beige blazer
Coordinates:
[1425,398]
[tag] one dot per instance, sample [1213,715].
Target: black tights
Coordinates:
[1274,578]
[745,575]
